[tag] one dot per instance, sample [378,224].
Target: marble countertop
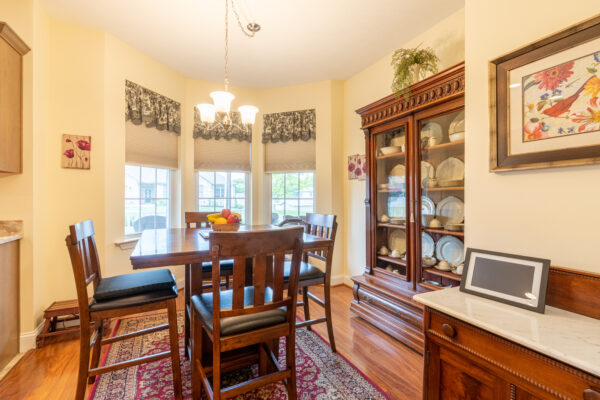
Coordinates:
[10,231]
[10,238]
[565,336]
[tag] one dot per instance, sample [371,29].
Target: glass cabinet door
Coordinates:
[391,180]
[441,176]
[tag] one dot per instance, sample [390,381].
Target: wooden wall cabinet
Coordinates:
[397,187]
[12,50]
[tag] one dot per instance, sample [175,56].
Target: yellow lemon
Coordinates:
[220,221]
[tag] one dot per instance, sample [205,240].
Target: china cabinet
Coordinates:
[414,202]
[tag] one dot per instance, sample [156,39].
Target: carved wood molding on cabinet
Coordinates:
[442,86]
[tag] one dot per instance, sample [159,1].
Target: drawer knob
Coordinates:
[590,394]
[449,330]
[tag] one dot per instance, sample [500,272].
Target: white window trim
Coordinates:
[247,194]
[268,191]
[128,241]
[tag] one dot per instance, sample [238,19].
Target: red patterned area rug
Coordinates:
[321,375]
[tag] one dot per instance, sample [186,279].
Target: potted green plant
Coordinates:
[410,65]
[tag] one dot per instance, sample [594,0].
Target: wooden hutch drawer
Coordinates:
[522,369]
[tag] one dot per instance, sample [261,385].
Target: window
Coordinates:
[292,195]
[147,198]
[218,190]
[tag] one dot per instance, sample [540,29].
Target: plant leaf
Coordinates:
[592,70]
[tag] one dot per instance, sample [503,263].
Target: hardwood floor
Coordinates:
[50,373]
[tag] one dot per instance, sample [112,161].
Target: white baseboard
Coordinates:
[337,280]
[27,339]
[348,282]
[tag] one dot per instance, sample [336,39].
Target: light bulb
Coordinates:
[248,114]
[207,113]
[222,101]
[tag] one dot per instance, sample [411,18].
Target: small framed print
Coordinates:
[545,102]
[511,279]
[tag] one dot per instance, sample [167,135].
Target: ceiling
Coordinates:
[301,40]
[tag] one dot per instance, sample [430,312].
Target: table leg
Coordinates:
[187,309]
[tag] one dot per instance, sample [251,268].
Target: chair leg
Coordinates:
[290,350]
[174,339]
[196,359]
[327,301]
[84,360]
[96,349]
[306,309]
[216,370]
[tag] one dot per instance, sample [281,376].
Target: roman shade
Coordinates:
[217,148]
[150,147]
[290,139]
[153,123]
[221,155]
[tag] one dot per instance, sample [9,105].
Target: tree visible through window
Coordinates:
[147,198]
[292,195]
[218,190]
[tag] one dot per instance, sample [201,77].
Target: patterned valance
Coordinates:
[218,131]
[151,108]
[291,125]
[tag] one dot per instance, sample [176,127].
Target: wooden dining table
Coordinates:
[181,246]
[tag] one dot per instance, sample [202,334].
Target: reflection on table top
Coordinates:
[177,246]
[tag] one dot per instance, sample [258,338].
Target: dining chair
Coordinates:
[199,219]
[247,317]
[116,297]
[322,225]
[196,219]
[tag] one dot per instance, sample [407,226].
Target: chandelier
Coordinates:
[222,99]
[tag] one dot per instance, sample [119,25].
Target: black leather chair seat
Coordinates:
[134,289]
[307,271]
[226,266]
[203,304]
[133,284]
[134,300]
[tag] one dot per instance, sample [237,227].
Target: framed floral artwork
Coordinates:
[76,151]
[357,167]
[545,102]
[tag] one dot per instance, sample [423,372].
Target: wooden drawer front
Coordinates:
[539,375]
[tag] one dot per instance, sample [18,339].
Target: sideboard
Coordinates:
[480,349]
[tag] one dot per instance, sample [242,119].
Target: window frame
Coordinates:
[171,209]
[247,193]
[269,192]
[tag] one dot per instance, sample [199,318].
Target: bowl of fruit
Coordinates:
[225,220]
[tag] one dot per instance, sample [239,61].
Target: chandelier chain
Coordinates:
[246,32]
[239,21]
[226,45]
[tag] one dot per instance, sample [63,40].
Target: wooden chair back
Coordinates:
[325,226]
[85,262]
[196,218]
[266,250]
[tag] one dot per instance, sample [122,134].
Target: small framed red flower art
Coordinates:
[545,102]
[76,151]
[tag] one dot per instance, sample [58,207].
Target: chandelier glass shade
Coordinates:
[222,99]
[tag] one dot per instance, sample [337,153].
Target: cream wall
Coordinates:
[16,192]
[326,98]
[199,92]
[74,83]
[545,213]
[122,62]
[447,39]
